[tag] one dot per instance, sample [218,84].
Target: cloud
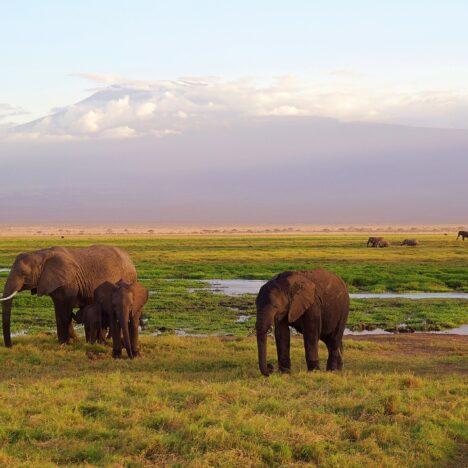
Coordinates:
[8,111]
[98,77]
[127,108]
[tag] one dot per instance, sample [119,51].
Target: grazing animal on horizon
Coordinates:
[383,243]
[315,303]
[374,241]
[410,242]
[462,234]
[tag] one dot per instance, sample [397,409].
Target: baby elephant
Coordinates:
[410,242]
[91,317]
[315,303]
[127,302]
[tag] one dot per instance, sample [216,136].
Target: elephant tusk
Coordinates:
[9,297]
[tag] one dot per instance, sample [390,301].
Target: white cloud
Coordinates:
[123,108]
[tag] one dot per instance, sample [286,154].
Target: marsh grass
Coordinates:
[438,264]
[202,402]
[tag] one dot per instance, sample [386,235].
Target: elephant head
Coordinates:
[289,294]
[40,272]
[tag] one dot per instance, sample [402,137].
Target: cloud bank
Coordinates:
[121,109]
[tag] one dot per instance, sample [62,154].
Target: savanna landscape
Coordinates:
[195,397]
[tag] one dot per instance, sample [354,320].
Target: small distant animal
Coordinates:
[410,242]
[374,241]
[462,234]
[383,243]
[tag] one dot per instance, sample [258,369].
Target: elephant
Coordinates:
[315,303]
[383,243]
[128,301]
[374,241]
[91,317]
[462,234]
[410,242]
[69,276]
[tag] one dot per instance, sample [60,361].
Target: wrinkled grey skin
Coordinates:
[410,242]
[69,276]
[128,301]
[315,303]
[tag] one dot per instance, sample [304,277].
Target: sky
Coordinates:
[172,87]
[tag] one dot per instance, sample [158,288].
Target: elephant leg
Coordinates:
[335,353]
[311,338]
[282,338]
[134,336]
[63,317]
[116,338]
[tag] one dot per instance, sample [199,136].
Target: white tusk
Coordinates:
[9,297]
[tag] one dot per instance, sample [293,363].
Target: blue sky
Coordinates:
[42,43]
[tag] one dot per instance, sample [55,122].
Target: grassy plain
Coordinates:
[440,263]
[401,399]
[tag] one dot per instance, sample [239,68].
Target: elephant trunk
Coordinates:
[264,322]
[12,286]
[262,354]
[123,319]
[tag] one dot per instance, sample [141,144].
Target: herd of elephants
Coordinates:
[101,281]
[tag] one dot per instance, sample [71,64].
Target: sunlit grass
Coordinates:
[202,401]
[401,400]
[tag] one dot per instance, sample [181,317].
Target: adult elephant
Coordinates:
[374,241]
[69,276]
[462,234]
[315,303]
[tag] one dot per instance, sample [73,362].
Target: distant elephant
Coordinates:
[410,242]
[374,241]
[462,234]
[128,301]
[383,243]
[69,276]
[315,303]
[91,317]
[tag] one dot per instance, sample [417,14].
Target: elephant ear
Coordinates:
[302,297]
[56,272]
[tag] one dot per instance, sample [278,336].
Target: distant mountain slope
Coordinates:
[272,169]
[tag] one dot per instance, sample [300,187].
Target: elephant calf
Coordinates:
[91,316]
[315,303]
[127,303]
[410,242]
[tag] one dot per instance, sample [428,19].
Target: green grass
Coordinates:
[202,402]
[438,264]
[401,400]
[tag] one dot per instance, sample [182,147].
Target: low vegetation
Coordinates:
[397,402]
[401,399]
